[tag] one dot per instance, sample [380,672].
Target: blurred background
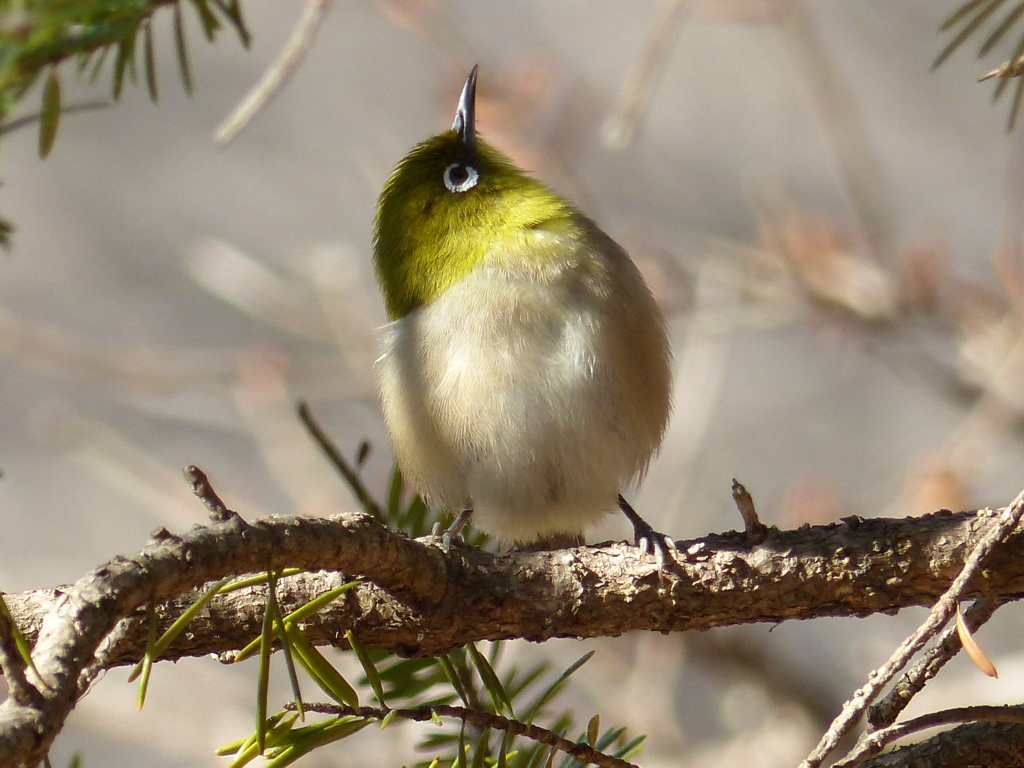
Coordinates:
[833,230]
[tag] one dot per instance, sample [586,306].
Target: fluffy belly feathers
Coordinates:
[532,402]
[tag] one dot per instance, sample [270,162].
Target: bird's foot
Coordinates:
[647,539]
[454,531]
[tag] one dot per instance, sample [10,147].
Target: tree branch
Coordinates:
[884,713]
[995,536]
[583,753]
[873,743]
[993,745]
[418,601]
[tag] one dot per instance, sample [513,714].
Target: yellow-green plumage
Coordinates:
[428,238]
[525,372]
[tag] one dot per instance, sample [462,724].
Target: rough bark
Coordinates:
[416,600]
[985,745]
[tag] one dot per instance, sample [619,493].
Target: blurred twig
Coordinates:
[277,74]
[355,483]
[26,120]
[843,122]
[627,114]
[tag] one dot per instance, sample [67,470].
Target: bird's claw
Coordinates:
[663,548]
[649,540]
[447,538]
[454,531]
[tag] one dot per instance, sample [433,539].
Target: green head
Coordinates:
[452,202]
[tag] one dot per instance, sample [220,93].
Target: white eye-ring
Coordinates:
[460,177]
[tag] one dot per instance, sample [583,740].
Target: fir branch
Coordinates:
[39,36]
[967,21]
[582,752]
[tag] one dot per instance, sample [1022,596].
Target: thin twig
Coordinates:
[937,618]
[844,126]
[26,120]
[623,124]
[873,743]
[756,531]
[350,476]
[1006,69]
[277,74]
[204,491]
[884,713]
[582,753]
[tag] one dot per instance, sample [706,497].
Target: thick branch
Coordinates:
[853,568]
[420,602]
[83,615]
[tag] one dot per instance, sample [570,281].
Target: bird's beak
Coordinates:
[465,115]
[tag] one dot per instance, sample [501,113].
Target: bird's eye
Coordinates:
[460,177]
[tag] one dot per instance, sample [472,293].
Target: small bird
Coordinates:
[525,371]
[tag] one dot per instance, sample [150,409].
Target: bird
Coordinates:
[525,371]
